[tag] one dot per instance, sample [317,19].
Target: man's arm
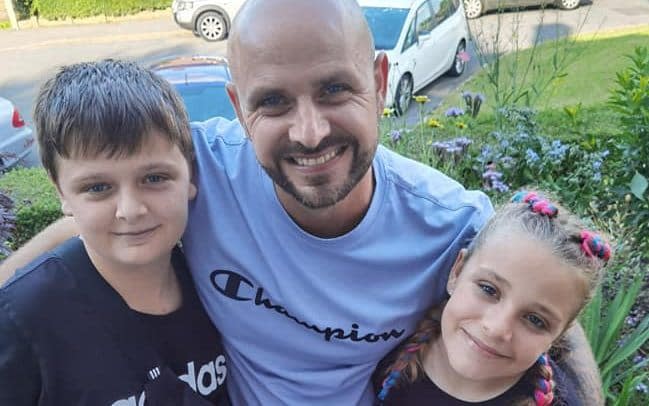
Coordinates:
[55,234]
[579,363]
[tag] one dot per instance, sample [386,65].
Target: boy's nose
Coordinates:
[310,126]
[129,206]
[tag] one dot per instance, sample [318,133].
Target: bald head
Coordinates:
[262,25]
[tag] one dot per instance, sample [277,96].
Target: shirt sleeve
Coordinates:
[20,380]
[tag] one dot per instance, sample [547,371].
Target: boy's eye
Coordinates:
[536,321]
[155,178]
[96,188]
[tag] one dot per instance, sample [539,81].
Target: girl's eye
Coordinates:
[536,321]
[488,289]
[96,188]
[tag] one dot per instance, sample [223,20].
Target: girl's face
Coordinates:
[510,300]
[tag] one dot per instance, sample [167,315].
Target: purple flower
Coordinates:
[480,97]
[639,359]
[531,156]
[395,135]
[642,388]
[454,112]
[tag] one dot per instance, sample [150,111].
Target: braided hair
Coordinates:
[566,236]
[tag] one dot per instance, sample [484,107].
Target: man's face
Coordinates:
[309,102]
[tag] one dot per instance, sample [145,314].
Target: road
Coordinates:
[28,57]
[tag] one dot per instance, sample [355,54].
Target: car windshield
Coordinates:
[385,24]
[206,101]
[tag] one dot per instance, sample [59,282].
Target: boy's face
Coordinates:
[130,211]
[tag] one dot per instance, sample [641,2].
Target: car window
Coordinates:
[204,101]
[411,36]
[446,9]
[386,24]
[425,19]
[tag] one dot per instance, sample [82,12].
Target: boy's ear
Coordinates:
[65,207]
[455,271]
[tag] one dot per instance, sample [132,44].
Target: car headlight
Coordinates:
[185,5]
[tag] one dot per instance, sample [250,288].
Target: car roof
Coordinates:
[387,3]
[194,69]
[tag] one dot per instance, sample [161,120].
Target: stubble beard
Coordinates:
[325,195]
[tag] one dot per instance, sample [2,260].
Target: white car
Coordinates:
[423,39]
[17,143]
[210,19]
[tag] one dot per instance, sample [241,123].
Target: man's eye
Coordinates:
[335,88]
[96,188]
[271,101]
[536,321]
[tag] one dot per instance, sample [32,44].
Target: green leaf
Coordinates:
[638,186]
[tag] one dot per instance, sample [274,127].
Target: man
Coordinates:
[314,250]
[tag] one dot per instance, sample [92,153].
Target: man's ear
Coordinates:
[236,103]
[381,70]
[455,271]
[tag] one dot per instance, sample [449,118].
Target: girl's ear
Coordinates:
[455,271]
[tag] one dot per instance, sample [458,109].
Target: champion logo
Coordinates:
[237,287]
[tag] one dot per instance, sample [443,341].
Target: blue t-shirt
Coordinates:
[304,319]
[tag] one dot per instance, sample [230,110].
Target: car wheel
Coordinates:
[473,8]
[211,26]
[568,4]
[459,64]
[403,95]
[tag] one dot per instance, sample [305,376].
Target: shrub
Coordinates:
[36,202]
[61,9]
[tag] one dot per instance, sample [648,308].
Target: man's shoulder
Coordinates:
[218,130]
[428,185]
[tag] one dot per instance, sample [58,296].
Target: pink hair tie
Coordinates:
[536,204]
[594,245]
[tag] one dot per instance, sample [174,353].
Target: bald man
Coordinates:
[314,249]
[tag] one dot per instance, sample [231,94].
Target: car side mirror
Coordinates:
[423,37]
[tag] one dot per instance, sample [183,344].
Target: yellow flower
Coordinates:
[422,99]
[432,123]
[388,112]
[460,125]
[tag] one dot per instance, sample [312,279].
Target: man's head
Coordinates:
[106,108]
[309,94]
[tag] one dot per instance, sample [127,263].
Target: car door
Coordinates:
[426,48]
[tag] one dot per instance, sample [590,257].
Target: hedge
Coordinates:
[61,9]
[36,202]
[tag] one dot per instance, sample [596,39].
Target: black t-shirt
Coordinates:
[425,392]
[66,339]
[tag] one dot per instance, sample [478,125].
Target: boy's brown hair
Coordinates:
[107,107]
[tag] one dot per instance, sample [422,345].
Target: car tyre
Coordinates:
[458,65]
[403,95]
[473,8]
[568,4]
[211,26]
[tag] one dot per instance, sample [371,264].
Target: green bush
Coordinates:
[36,202]
[61,9]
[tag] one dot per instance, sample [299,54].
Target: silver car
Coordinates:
[475,8]
[209,19]
[17,143]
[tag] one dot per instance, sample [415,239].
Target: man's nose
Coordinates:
[129,206]
[310,125]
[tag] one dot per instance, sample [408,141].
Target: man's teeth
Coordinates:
[316,161]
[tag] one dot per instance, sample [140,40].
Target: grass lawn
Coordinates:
[589,75]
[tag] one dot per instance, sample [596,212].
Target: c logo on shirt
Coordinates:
[230,286]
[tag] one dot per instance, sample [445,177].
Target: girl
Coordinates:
[513,293]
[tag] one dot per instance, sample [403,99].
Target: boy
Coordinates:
[111,317]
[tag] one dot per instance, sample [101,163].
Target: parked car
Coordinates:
[209,19]
[17,143]
[423,39]
[475,8]
[200,81]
